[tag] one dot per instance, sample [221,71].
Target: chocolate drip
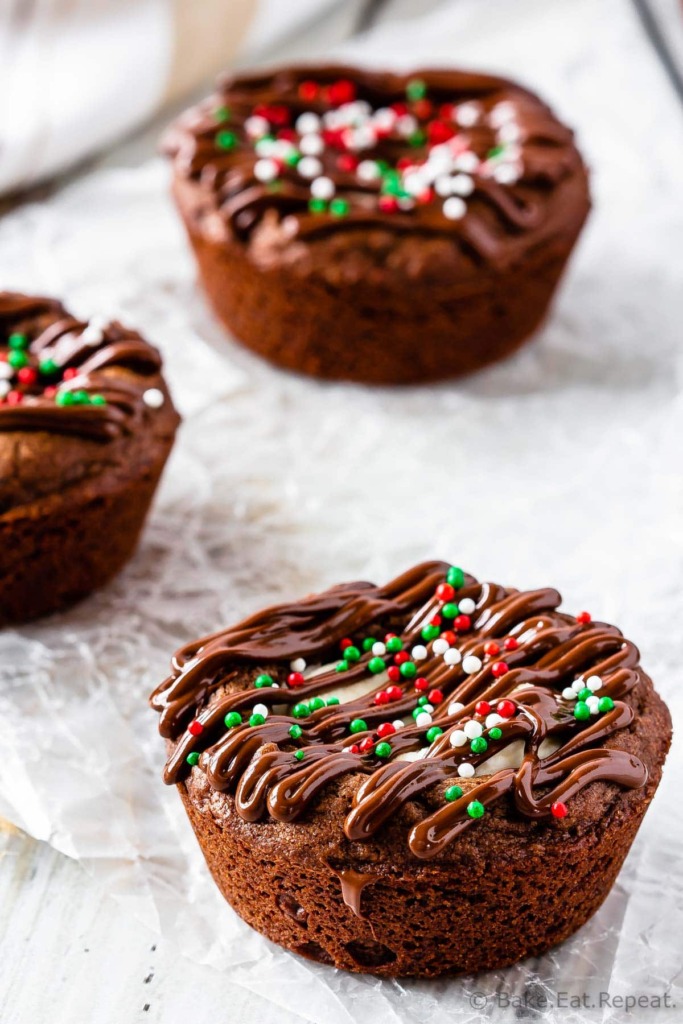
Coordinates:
[111,362]
[498,215]
[544,652]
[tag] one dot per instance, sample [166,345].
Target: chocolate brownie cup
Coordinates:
[378,227]
[86,425]
[432,776]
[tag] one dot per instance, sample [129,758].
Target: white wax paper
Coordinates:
[561,466]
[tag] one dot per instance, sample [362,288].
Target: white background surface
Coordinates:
[562,466]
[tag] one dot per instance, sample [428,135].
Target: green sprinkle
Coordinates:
[496,151]
[368,643]
[48,367]
[257,719]
[232,719]
[495,733]
[422,700]
[263,680]
[331,701]
[383,749]
[453,793]
[222,114]
[292,159]
[581,711]
[192,758]
[416,89]
[584,694]
[605,704]
[64,398]
[299,754]
[317,205]
[478,745]
[417,711]
[301,710]
[450,610]
[17,359]
[358,725]
[351,653]
[455,576]
[295,731]
[408,669]
[98,400]
[394,645]
[339,207]
[341,666]
[17,340]
[475,809]
[226,139]
[434,733]
[81,397]
[376,665]
[430,632]
[417,139]
[316,703]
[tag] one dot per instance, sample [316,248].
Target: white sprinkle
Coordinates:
[415,183]
[455,707]
[378,649]
[260,709]
[298,665]
[266,147]
[265,169]
[360,138]
[311,145]
[309,167]
[440,160]
[465,771]
[256,126]
[471,664]
[506,174]
[594,683]
[367,170]
[7,371]
[466,606]
[307,123]
[5,388]
[473,729]
[427,707]
[501,113]
[424,718]
[577,685]
[467,114]
[493,719]
[405,203]
[418,653]
[454,208]
[406,125]
[462,185]
[384,118]
[467,161]
[153,397]
[440,646]
[510,132]
[568,693]
[398,723]
[322,188]
[592,701]
[443,185]
[452,656]
[458,738]
[93,334]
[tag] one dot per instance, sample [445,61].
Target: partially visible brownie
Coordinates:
[431,776]
[86,425]
[378,227]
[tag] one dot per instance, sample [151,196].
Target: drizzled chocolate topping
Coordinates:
[64,375]
[324,148]
[432,682]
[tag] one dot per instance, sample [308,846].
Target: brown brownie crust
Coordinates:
[360,300]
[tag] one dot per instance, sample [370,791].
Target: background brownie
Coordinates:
[435,775]
[378,227]
[86,425]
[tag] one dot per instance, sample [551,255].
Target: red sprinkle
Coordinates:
[195,728]
[449,636]
[27,375]
[423,109]
[345,643]
[354,749]
[491,648]
[400,109]
[70,373]
[347,162]
[295,679]
[482,707]
[385,729]
[435,696]
[14,397]
[445,592]
[510,643]
[506,708]
[462,622]
[584,618]
[388,637]
[50,391]
[559,810]
[394,692]
[421,683]
[438,132]
[388,204]
[394,673]
[308,90]
[382,697]
[366,744]
[401,657]
[446,111]
[343,91]
[499,668]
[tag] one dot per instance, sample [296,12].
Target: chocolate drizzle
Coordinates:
[107,363]
[548,650]
[499,209]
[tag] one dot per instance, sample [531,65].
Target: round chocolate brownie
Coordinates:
[436,775]
[378,227]
[86,425]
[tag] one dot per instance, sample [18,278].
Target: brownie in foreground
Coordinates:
[378,227]
[86,425]
[435,775]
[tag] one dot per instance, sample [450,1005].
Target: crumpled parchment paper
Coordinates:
[562,466]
